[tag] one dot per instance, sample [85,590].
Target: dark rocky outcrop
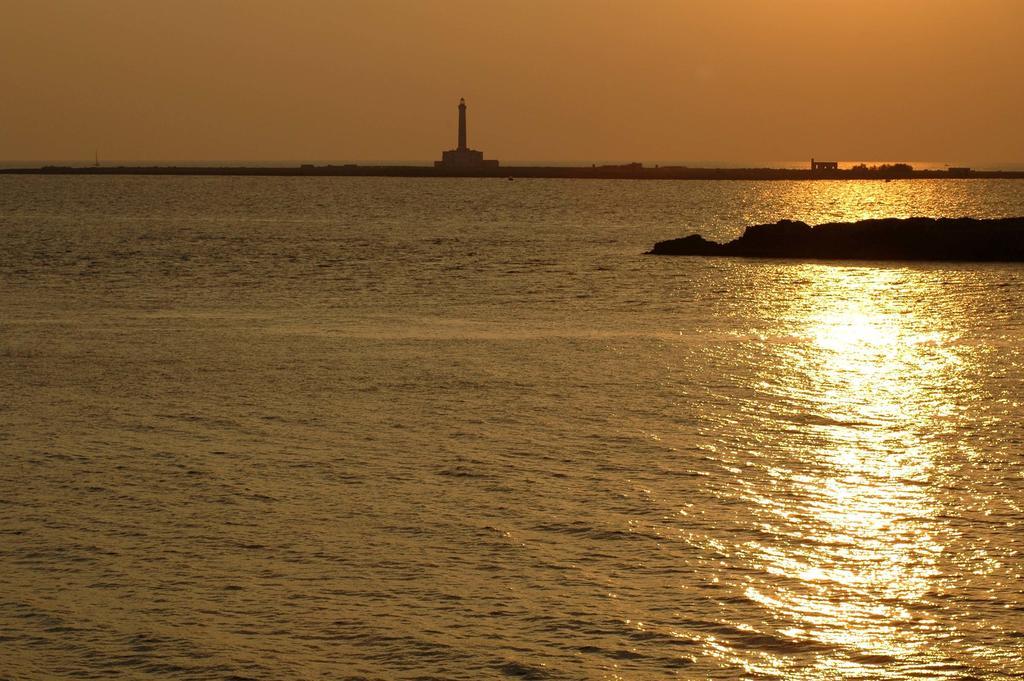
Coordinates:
[956,239]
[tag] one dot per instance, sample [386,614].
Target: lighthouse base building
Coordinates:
[464,158]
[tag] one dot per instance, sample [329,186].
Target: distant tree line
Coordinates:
[884,169]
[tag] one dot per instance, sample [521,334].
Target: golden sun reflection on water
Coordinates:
[870,377]
[867,200]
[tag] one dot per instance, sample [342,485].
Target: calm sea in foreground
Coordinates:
[375,428]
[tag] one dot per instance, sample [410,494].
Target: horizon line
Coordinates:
[690,163]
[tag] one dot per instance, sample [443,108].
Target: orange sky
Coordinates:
[550,80]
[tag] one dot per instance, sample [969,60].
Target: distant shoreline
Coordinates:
[602,172]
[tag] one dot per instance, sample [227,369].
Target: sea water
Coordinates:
[378,428]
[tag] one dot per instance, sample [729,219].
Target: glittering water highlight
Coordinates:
[392,429]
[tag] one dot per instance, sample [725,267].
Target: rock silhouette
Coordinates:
[948,239]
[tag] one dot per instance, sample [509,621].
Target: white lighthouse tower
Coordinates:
[462,157]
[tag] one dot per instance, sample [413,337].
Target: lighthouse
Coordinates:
[462,125]
[462,158]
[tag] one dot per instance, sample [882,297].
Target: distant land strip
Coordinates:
[939,239]
[633,171]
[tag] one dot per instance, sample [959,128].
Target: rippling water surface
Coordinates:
[274,428]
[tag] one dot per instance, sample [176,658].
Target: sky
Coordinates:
[728,81]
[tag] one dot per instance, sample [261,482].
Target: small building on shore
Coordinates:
[824,165]
[462,157]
